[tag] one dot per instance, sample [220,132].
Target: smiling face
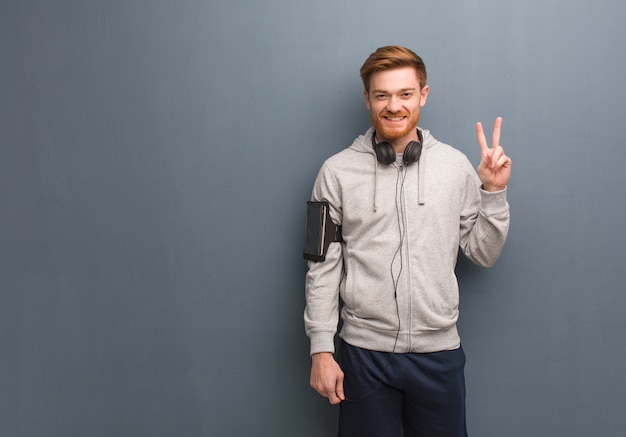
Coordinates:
[394,99]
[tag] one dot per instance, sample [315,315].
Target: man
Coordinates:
[405,203]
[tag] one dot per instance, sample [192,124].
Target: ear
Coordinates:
[367,99]
[424,95]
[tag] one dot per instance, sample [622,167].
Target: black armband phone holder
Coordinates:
[320,231]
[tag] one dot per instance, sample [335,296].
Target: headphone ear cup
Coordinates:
[412,152]
[385,153]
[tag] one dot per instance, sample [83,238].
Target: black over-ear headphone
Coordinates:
[386,154]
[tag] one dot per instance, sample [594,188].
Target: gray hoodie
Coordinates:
[402,228]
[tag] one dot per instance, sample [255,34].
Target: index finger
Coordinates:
[480,134]
[339,389]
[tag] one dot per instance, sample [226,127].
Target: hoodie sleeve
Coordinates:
[484,223]
[321,315]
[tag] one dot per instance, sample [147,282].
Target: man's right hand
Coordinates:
[327,377]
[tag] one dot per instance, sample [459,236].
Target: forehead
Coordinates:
[395,79]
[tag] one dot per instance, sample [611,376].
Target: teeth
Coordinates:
[395,118]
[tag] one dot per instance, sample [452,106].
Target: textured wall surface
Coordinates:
[155,161]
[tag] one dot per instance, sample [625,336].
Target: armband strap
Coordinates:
[320,231]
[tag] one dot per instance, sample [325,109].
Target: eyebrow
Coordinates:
[387,92]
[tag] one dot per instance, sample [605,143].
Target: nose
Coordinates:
[393,104]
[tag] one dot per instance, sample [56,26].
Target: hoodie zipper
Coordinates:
[404,251]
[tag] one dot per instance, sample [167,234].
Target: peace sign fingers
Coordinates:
[482,141]
[494,169]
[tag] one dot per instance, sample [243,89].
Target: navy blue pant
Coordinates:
[422,395]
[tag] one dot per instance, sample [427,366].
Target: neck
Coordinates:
[399,144]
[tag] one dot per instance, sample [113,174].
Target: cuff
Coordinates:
[493,202]
[322,342]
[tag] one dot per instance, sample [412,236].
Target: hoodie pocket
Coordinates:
[368,297]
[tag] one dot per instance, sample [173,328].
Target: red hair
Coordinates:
[390,57]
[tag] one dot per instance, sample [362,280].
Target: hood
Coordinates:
[363,144]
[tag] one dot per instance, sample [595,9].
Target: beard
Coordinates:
[386,133]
